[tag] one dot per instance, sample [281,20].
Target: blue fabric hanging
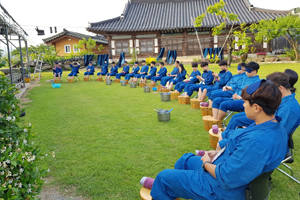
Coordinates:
[121,60]
[221,54]
[215,52]
[161,54]
[174,55]
[87,59]
[210,52]
[101,59]
[168,56]
[205,52]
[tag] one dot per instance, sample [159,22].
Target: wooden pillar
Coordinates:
[184,44]
[109,47]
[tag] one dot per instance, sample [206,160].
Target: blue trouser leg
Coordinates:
[192,88]
[219,93]
[118,76]
[165,79]
[233,105]
[180,86]
[128,76]
[239,119]
[88,73]
[156,78]
[218,101]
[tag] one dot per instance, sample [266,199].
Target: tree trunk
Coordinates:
[229,50]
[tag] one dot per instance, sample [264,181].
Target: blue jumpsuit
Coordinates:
[92,68]
[162,73]
[189,89]
[75,70]
[152,73]
[104,70]
[165,79]
[231,83]
[179,78]
[288,111]
[224,75]
[193,79]
[236,167]
[57,71]
[134,71]
[123,73]
[225,104]
[144,69]
[113,71]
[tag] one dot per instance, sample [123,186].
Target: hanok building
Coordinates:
[148,25]
[65,42]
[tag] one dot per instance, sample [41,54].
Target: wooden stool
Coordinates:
[126,81]
[117,80]
[184,100]
[209,121]
[158,88]
[174,95]
[86,79]
[99,79]
[56,80]
[195,103]
[151,85]
[145,194]
[142,84]
[165,90]
[70,80]
[206,111]
[27,80]
[214,138]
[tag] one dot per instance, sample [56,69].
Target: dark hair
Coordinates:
[113,63]
[153,62]
[143,61]
[293,78]
[203,64]
[267,96]
[279,79]
[177,61]
[194,64]
[242,64]
[162,63]
[136,62]
[182,67]
[223,62]
[253,65]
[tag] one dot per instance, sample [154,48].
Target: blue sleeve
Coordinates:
[71,66]
[209,78]
[223,143]
[147,69]
[242,166]
[175,70]
[126,69]
[164,72]
[288,117]
[154,69]
[136,70]
[226,78]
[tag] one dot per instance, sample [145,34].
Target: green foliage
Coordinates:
[20,177]
[100,47]
[2,62]
[86,46]
[290,53]
[133,54]
[149,60]
[285,26]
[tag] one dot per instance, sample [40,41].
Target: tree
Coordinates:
[86,46]
[2,62]
[285,26]
[239,31]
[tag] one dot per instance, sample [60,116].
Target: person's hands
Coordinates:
[206,157]
[215,74]
[212,154]
[236,97]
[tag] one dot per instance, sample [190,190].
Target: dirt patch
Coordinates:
[24,99]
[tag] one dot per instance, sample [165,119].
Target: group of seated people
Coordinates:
[255,140]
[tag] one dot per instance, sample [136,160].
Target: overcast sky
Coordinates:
[74,15]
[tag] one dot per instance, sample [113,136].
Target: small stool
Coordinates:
[174,95]
[214,138]
[70,80]
[27,80]
[165,90]
[195,103]
[142,84]
[158,88]
[117,80]
[99,79]
[206,111]
[145,194]
[86,79]
[56,80]
[151,85]
[209,121]
[184,100]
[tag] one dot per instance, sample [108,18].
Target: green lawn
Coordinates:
[107,137]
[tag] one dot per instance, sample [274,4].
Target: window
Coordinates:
[172,43]
[75,50]
[67,48]
[122,46]
[147,45]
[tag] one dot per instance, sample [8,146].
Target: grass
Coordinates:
[107,137]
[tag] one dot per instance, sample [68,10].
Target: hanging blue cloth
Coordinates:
[221,54]
[210,52]
[121,60]
[101,59]
[161,54]
[87,59]
[205,52]
[216,52]
[174,55]
[168,56]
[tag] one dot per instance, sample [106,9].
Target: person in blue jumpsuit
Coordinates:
[221,105]
[288,110]
[161,73]
[152,73]
[124,71]
[192,79]
[75,70]
[180,76]
[144,71]
[226,174]
[89,70]
[221,80]
[57,71]
[227,90]
[134,71]
[104,70]
[171,75]
[113,71]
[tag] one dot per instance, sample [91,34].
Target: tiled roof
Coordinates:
[156,15]
[100,39]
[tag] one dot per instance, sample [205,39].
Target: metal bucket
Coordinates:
[147,89]
[123,83]
[165,97]
[132,85]
[162,115]
[108,82]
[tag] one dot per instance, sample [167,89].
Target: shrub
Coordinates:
[290,53]
[149,60]
[20,177]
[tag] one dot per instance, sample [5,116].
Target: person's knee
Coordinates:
[224,106]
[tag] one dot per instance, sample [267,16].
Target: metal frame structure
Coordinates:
[9,28]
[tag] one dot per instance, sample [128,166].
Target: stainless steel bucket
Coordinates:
[108,82]
[165,97]
[123,83]
[162,115]
[132,85]
[147,89]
